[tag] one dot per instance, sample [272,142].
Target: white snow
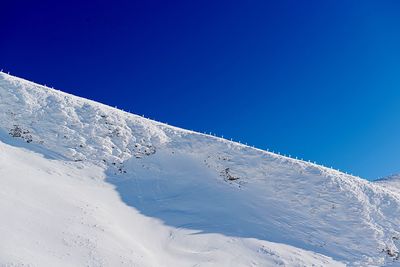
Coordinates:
[84,184]
[392,183]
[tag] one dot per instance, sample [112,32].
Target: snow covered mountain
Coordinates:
[84,184]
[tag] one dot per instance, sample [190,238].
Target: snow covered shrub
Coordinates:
[18,132]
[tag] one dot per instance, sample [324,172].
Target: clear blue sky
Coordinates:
[316,79]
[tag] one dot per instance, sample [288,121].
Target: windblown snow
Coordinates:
[84,184]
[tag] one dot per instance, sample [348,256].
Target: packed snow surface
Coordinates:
[84,184]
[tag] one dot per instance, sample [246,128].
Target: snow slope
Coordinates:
[84,184]
[392,183]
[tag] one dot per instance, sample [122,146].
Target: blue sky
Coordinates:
[315,79]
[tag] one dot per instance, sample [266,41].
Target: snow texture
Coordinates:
[84,184]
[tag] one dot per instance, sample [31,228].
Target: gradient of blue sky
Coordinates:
[316,79]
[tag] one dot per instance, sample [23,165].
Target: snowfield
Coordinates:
[84,184]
